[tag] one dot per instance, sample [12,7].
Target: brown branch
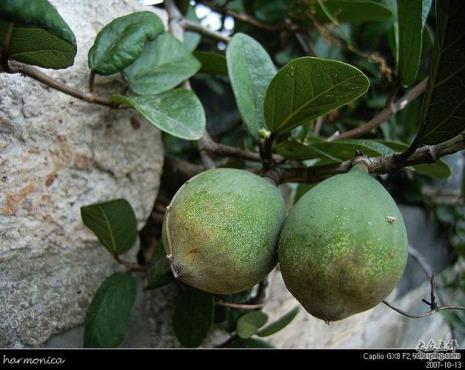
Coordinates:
[266,152]
[130,266]
[211,146]
[207,161]
[92,82]
[184,168]
[243,17]
[34,73]
[377,165]
[196,27]
[385,114]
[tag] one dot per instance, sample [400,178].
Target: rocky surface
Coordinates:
[56,155]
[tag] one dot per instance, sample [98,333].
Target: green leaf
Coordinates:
[272,11]
[108,314]
[114,223]
[411,16]
[279,324]
[33,32]
[159,272]
[250,70]
[248,324]
[249,343]
[307,88]
[212,63]
[241,297]
[351,11]
[178,112]
[122,40]
[444,103]
[301,190]
[193,317]
[164,63]
[192,39]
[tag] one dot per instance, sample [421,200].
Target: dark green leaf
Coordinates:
[438,170]
[411,16]
[178,112]
[445,214]
[122,40]
[159,272]
[33,32]
[234,314]
[272,11]
[249,343]
[241,297]
[350,11]
[301,190]
[279,324]
[193,317]
[221,314]
[108,313]
[113,222]
[212,63]
[444,103]
[307,88]
[250,70]
[164,63]
[248,324]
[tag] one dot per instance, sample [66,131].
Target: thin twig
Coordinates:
[432,303]
[266,152]
[305,43]
[318,125]
[242,306]
[385,114]
[207,161]
[420,261]
[211,146]
[428,313]
[92,82]
[377,165]
[196,27]
[243,17]
[130,266]
[34,73]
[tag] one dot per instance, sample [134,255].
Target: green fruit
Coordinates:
[343,247]
[221,229]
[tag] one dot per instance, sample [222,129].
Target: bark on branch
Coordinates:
[377,165]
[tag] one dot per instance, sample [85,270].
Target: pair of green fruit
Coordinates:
[341,249]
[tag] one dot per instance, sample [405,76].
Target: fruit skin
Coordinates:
[343,247]
[221,230]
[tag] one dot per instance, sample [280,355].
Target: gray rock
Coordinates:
[57,154]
